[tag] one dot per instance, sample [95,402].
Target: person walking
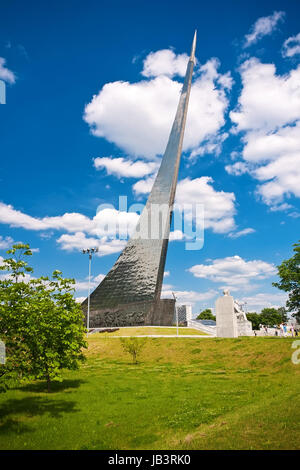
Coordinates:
[281,330]
[292,330]
[284,330]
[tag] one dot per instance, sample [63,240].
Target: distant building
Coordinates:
[184,313]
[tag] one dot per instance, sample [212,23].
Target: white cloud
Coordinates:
[99,278]
[166,273]
[79,241]
[282,176]
[241,233]
[259,301]
[234,271]
[84,285]
[267,100]
[6,74]
[291,46]
[273,145]
[189,296]
[275,161]
[5,242]
[281,207]
[143,186]
[176,235]
[264,26]
[79,300]
[122,167]
[269,113]
[104,223]
[165,62]
[294,214]
[219,208]
[137,117]
[237,169]
[211,145]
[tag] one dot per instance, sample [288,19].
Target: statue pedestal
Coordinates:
[225,317]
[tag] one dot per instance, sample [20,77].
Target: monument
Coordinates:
[244,325]
[130,293]
[230,318]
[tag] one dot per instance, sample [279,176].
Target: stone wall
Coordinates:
[133,314]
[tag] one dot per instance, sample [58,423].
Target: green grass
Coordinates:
[152,330]
[184,394]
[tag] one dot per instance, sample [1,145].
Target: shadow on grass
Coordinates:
[14,412]
[41,386]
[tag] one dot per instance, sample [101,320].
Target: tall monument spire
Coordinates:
[130,293]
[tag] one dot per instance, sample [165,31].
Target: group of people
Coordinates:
[281,330]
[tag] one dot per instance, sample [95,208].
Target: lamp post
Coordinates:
[90,252]
[176,311]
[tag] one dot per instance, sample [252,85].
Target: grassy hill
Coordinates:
[185,393]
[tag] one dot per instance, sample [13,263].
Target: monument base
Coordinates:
[226,319]
[244,327]
[158,313]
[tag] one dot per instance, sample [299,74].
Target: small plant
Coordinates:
[133,346]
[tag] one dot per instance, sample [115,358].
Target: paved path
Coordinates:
[160,336]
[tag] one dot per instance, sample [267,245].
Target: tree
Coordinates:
[268,316]
[40,322]
[206,315]
[271,316]
[133,346]
[289,273]
[283,312]
[255,319]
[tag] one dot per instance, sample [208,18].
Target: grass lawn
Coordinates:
[152,330]
[191,393]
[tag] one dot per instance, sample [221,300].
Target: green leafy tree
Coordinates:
[206,315]
[255,320]
[268,316]
[289,274]
[283,312]
[40,322]
[133,346]
[271,316]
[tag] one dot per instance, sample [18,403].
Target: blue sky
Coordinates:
[91,82]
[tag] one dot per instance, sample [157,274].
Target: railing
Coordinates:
[198,325]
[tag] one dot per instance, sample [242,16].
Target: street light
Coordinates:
[176,311]
[90,252]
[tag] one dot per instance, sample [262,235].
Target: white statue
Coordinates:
[230,318]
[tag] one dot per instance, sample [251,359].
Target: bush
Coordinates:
[133,346]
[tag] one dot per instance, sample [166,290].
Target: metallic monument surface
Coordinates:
[130,292]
